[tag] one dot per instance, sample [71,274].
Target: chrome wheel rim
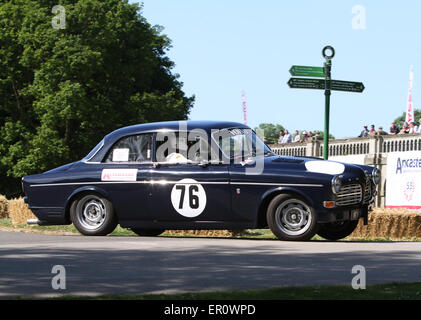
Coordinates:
[293,217]
[91,213]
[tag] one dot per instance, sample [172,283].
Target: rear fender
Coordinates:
[79,191]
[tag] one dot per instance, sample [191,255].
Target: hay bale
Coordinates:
[390,223]
[204,233]
[19,211]
[3,207]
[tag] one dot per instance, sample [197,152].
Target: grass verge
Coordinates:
[7,225]
[391,291]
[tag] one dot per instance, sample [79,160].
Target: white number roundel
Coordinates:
[188,198]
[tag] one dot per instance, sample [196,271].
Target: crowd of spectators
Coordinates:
[286,137]
[407,128]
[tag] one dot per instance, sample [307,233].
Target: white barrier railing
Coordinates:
[342,147]
[401,143]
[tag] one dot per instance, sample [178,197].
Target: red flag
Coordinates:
[244,104]
[409,106]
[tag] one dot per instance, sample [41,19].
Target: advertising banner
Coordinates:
[403,180]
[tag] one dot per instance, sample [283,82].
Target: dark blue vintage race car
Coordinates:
[200,175]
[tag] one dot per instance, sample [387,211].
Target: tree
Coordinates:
[62,90]
[400,120]
[271,131]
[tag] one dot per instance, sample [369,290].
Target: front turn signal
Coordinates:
[329,204]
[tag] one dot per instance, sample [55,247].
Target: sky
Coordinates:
[221,48]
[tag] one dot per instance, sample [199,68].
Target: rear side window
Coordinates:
[136,148]
[94,150]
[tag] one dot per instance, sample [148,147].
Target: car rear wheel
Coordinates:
[147,232]
[337,230]
[291,218]
[93,215]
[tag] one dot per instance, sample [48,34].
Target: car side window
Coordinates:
[137,148]
[181,148]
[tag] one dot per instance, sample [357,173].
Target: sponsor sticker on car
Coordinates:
[119,175]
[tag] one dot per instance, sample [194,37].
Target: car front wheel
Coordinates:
[337,230]
[291,218]
[93,215]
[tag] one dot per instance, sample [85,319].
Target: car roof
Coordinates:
[188,125]
[174,125]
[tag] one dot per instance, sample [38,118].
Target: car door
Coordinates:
[247,181]
[125,176]
[190,190]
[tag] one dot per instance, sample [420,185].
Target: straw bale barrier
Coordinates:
[3,207]
[390,223]
[18,211]
[207,233]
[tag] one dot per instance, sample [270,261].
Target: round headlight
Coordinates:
[376,176]
[336,184]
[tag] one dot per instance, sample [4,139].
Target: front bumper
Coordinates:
[342,214]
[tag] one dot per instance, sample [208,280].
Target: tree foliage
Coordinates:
[271,131]
[62,90]
[399,121]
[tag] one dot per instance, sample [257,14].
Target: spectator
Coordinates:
[281,136]
[413,128]
[405,128]
[287,137]
[372,131]
[419,127]
[297,137]
[364,133]
[381,131]
[305,137]
[394,129]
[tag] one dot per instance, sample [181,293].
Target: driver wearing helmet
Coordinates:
[178,144]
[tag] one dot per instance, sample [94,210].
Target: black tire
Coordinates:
[291,218]
[147,232]
[337,230]
[93,215]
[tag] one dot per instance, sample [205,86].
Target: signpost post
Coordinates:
[327,67]
[326,84]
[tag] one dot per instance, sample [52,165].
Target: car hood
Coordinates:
[314,166]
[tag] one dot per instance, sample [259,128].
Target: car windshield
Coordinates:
[240,143]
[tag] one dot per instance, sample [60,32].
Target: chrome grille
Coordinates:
[367,190]
[350,194]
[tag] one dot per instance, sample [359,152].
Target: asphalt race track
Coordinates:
[130,265]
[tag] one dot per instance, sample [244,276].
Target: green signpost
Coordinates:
[336,85]
[305,71]
[349,86]
[305,83]
[326,84]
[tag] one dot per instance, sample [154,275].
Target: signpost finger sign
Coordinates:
[326,84]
